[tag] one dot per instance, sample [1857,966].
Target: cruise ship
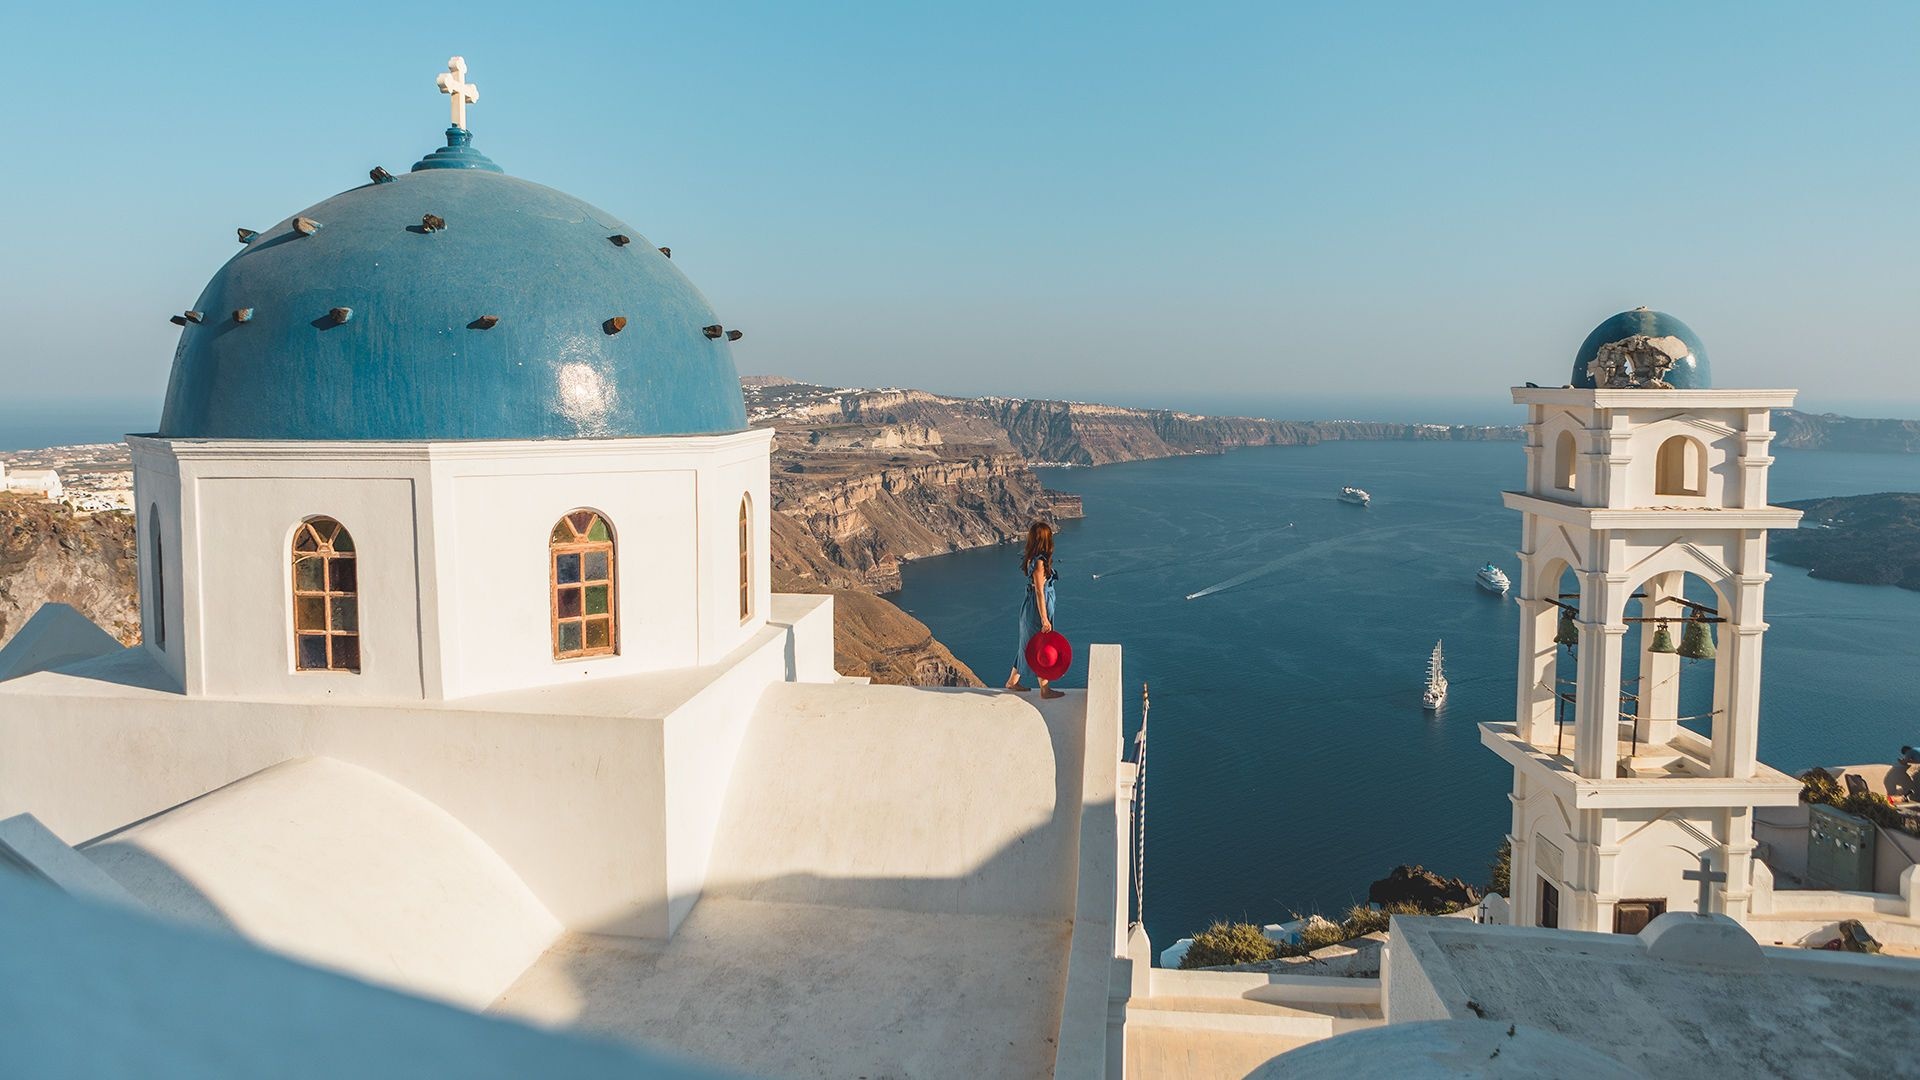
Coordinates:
[1493,579]
[1354,495]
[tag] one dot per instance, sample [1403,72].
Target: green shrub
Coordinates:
[1362,920]
[1318,934]
[1817,785]
[1874,807]
[1228,943]
[1500,872]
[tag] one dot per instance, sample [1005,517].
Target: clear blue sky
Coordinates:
[1293,210]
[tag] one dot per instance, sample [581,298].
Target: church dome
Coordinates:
[454,302]
[1691,373]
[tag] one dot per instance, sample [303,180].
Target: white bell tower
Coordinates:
[1632,488]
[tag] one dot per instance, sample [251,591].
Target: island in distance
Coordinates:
[1865,539]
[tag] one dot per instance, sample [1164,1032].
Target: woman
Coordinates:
[1036,610]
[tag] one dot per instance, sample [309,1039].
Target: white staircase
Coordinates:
[1224,1024]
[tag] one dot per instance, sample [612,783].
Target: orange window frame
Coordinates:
[326,597]
[583,592]
[746,558]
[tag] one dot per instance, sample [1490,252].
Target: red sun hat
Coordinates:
[1049,654]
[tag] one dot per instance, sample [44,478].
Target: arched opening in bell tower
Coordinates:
[1564,630]
[1680,467]
[1668,672]
[1566,458]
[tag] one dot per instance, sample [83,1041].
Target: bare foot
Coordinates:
[1013,683]
[1050,693]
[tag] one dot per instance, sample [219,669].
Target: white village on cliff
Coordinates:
[467,736]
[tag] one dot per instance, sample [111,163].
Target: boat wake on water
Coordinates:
[1295,556]
[1258,571]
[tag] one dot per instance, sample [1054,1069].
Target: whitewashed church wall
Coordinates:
[241,585]
[740,471]
[673,505]
[1654,853]
[156,486]
[451,541]
[496,579]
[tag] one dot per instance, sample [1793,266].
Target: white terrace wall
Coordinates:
[624,854]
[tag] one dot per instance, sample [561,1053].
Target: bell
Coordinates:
[1662,640]
[1696,642]
[1568,634]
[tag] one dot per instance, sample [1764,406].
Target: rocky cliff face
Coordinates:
[1053,432]
[1077,434]
[869,512]
[48,555]
[874,638]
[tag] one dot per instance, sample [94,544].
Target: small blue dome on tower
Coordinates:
[452,302]
[1690,373]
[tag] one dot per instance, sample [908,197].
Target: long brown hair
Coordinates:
[1039,547]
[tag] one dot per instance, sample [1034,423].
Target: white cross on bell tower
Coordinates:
[453,82]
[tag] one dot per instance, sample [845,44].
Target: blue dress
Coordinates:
[1030,622]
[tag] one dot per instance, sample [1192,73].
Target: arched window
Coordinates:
[580,558]
[158,577]
[1566,457]
[746,557]
[326,598]
[1681,467]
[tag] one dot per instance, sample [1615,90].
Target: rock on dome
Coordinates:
[500,325]
[1692,373]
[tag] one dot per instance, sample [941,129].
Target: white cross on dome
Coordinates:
[453,82]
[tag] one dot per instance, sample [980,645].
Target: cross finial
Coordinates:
[1706,876]
[453,82]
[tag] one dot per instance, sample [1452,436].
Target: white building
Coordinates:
[462,675]
[42,482]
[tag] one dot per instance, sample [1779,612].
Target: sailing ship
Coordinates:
[1436,691]
[1354,495]
[1493,579]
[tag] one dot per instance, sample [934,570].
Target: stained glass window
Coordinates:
[326,598]
[581,572]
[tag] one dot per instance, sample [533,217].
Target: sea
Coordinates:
[1284,636]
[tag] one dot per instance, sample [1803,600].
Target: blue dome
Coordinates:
[501,325]
[1692,373]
